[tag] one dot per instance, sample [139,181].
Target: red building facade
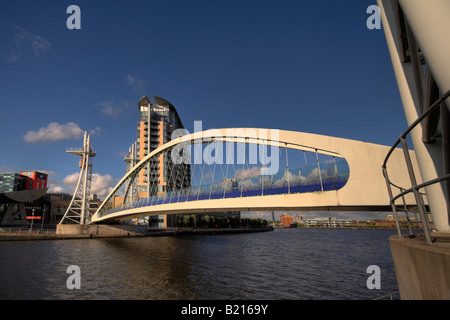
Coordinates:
[35,180]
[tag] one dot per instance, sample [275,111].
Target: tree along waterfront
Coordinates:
[207,221]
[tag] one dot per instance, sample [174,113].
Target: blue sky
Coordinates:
[293,65]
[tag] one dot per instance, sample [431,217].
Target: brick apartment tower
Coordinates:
[158,119]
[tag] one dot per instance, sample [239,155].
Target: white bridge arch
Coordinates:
[364,189]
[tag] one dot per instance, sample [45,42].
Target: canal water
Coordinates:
[285,264]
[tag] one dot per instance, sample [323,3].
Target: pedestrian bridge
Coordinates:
[251,169]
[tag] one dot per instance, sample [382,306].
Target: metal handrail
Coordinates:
[422,185]
[415,187]
[415,123]
[389,295]
[26,230]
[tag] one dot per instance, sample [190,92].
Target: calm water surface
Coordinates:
[286,264]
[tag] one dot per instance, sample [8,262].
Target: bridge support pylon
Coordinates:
[78,210]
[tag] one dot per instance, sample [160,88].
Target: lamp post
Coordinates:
[42,219]
[32,219]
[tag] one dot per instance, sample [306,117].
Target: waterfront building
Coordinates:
[10,182]
[329,222]
[344,222]
[285,220]
[318,222]
[58,207]
[22,207]
[26,180]
[35,179]
[32,205]
[29,187]
[59,202]
[158,119]
[384,223]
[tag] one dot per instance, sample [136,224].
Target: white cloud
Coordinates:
[97,130]
[100,184]
[135,83]
[111,109]
[53,185]
[54,188]
[131,81]
[247,173]
[54,132]
[71,181]
[26,41]
[39,45]
[21,36]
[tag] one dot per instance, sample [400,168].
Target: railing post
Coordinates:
[320,173]
[287,169]
[406,212]
[262,185]
[420,205]
[243,165]
[394,209]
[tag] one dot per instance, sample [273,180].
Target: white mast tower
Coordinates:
[78,210]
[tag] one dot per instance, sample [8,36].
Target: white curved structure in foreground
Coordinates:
[417,34]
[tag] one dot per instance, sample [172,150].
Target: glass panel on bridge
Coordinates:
[219,170]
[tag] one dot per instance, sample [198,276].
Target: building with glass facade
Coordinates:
[10,182]
[158,120]
[26,180]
